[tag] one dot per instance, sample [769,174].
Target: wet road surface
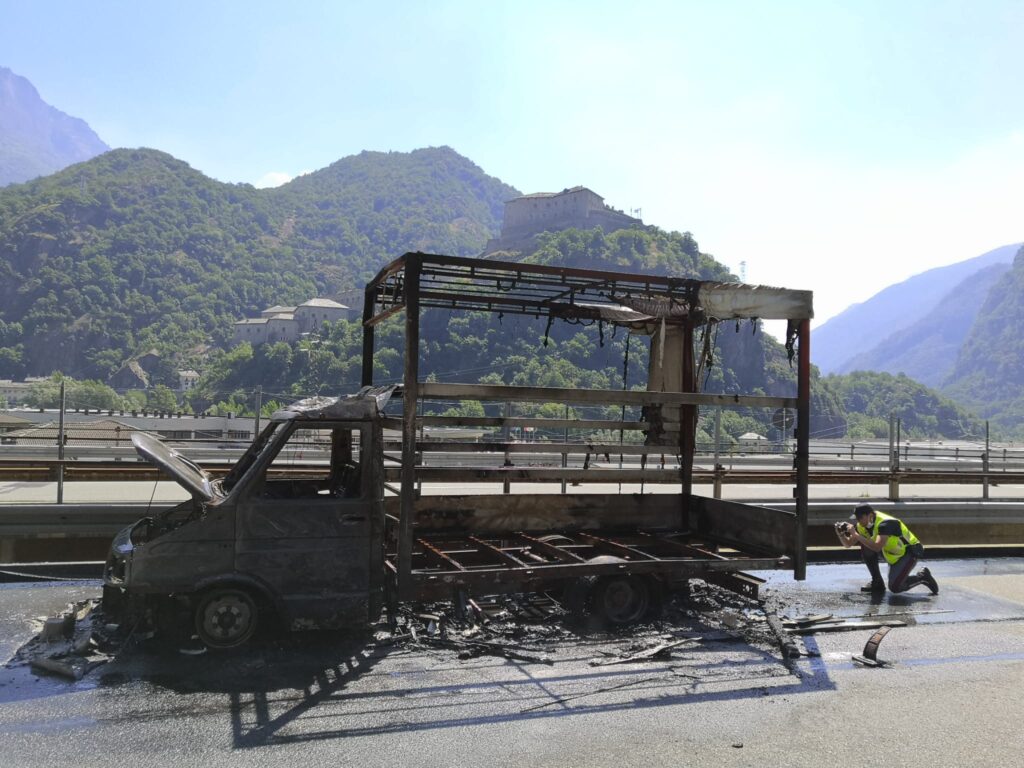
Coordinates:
[952,695]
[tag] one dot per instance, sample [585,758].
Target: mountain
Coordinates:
[860,327]
[134,250]
[35,138]
[927,349]
[989,371]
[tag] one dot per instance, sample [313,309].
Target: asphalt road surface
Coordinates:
[950,696]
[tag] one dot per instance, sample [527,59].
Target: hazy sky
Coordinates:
[839,147]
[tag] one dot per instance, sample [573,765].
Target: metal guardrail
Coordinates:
[104,520]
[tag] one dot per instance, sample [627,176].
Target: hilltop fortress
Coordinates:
[578,208]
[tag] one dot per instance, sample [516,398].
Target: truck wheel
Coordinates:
[621,599]
[226,617]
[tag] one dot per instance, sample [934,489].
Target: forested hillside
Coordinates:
[134,250]
[989,371]
[471,347]
[868,398]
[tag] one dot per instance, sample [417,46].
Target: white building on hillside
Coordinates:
[280,323]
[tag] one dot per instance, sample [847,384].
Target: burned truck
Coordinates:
[318,525]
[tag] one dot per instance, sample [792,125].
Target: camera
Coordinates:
[843,527]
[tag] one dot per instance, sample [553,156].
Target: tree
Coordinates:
[161,398]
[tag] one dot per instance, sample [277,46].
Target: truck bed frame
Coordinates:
[437,545]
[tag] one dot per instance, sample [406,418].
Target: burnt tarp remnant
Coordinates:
[368,403]
[70,644]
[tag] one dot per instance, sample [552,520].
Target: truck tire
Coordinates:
[621,600]
[226,617]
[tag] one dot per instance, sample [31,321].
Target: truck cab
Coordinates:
[294,529]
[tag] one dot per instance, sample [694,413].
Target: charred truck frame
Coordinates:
[310,526]
[626,544]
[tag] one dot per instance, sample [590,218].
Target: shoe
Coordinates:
[928,579]
[873,586]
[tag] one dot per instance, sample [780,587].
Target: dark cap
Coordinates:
[861,509]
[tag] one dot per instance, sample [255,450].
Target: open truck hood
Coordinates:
[184,470]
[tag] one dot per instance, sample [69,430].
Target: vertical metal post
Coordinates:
[687,423]
[984,466]
[506,486]
[894,459]
[410,393]
[718,452]
[894,485]
[368,306]
[420,455]
[565,451]
[802,459]
[60,447]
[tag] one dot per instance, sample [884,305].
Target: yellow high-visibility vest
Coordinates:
[895,546]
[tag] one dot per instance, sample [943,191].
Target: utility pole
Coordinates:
[259,407]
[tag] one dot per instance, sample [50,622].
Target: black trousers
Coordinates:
[900,579]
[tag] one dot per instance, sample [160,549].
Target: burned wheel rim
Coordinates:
[621,599]
[226,618]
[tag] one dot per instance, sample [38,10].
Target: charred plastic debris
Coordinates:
[71,644]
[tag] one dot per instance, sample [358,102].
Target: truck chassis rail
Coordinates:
[524,561]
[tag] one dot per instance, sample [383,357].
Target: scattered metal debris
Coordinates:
[660,651]
[846,626]
[870,656]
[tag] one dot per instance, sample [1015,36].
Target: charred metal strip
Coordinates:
[500,553]
[740,583]
[540,269]
[871,647]
[693,551]
[381,317]
[390,269]
[550,549]
[483,577]
[456,298]
[438,556]
[615,547]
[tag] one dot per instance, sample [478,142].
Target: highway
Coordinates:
[950,692]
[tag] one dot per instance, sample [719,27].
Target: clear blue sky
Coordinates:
[834,146]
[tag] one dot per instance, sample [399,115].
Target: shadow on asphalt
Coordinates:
[315,686]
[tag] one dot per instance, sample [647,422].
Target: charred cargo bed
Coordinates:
[525,562]
[440,545]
